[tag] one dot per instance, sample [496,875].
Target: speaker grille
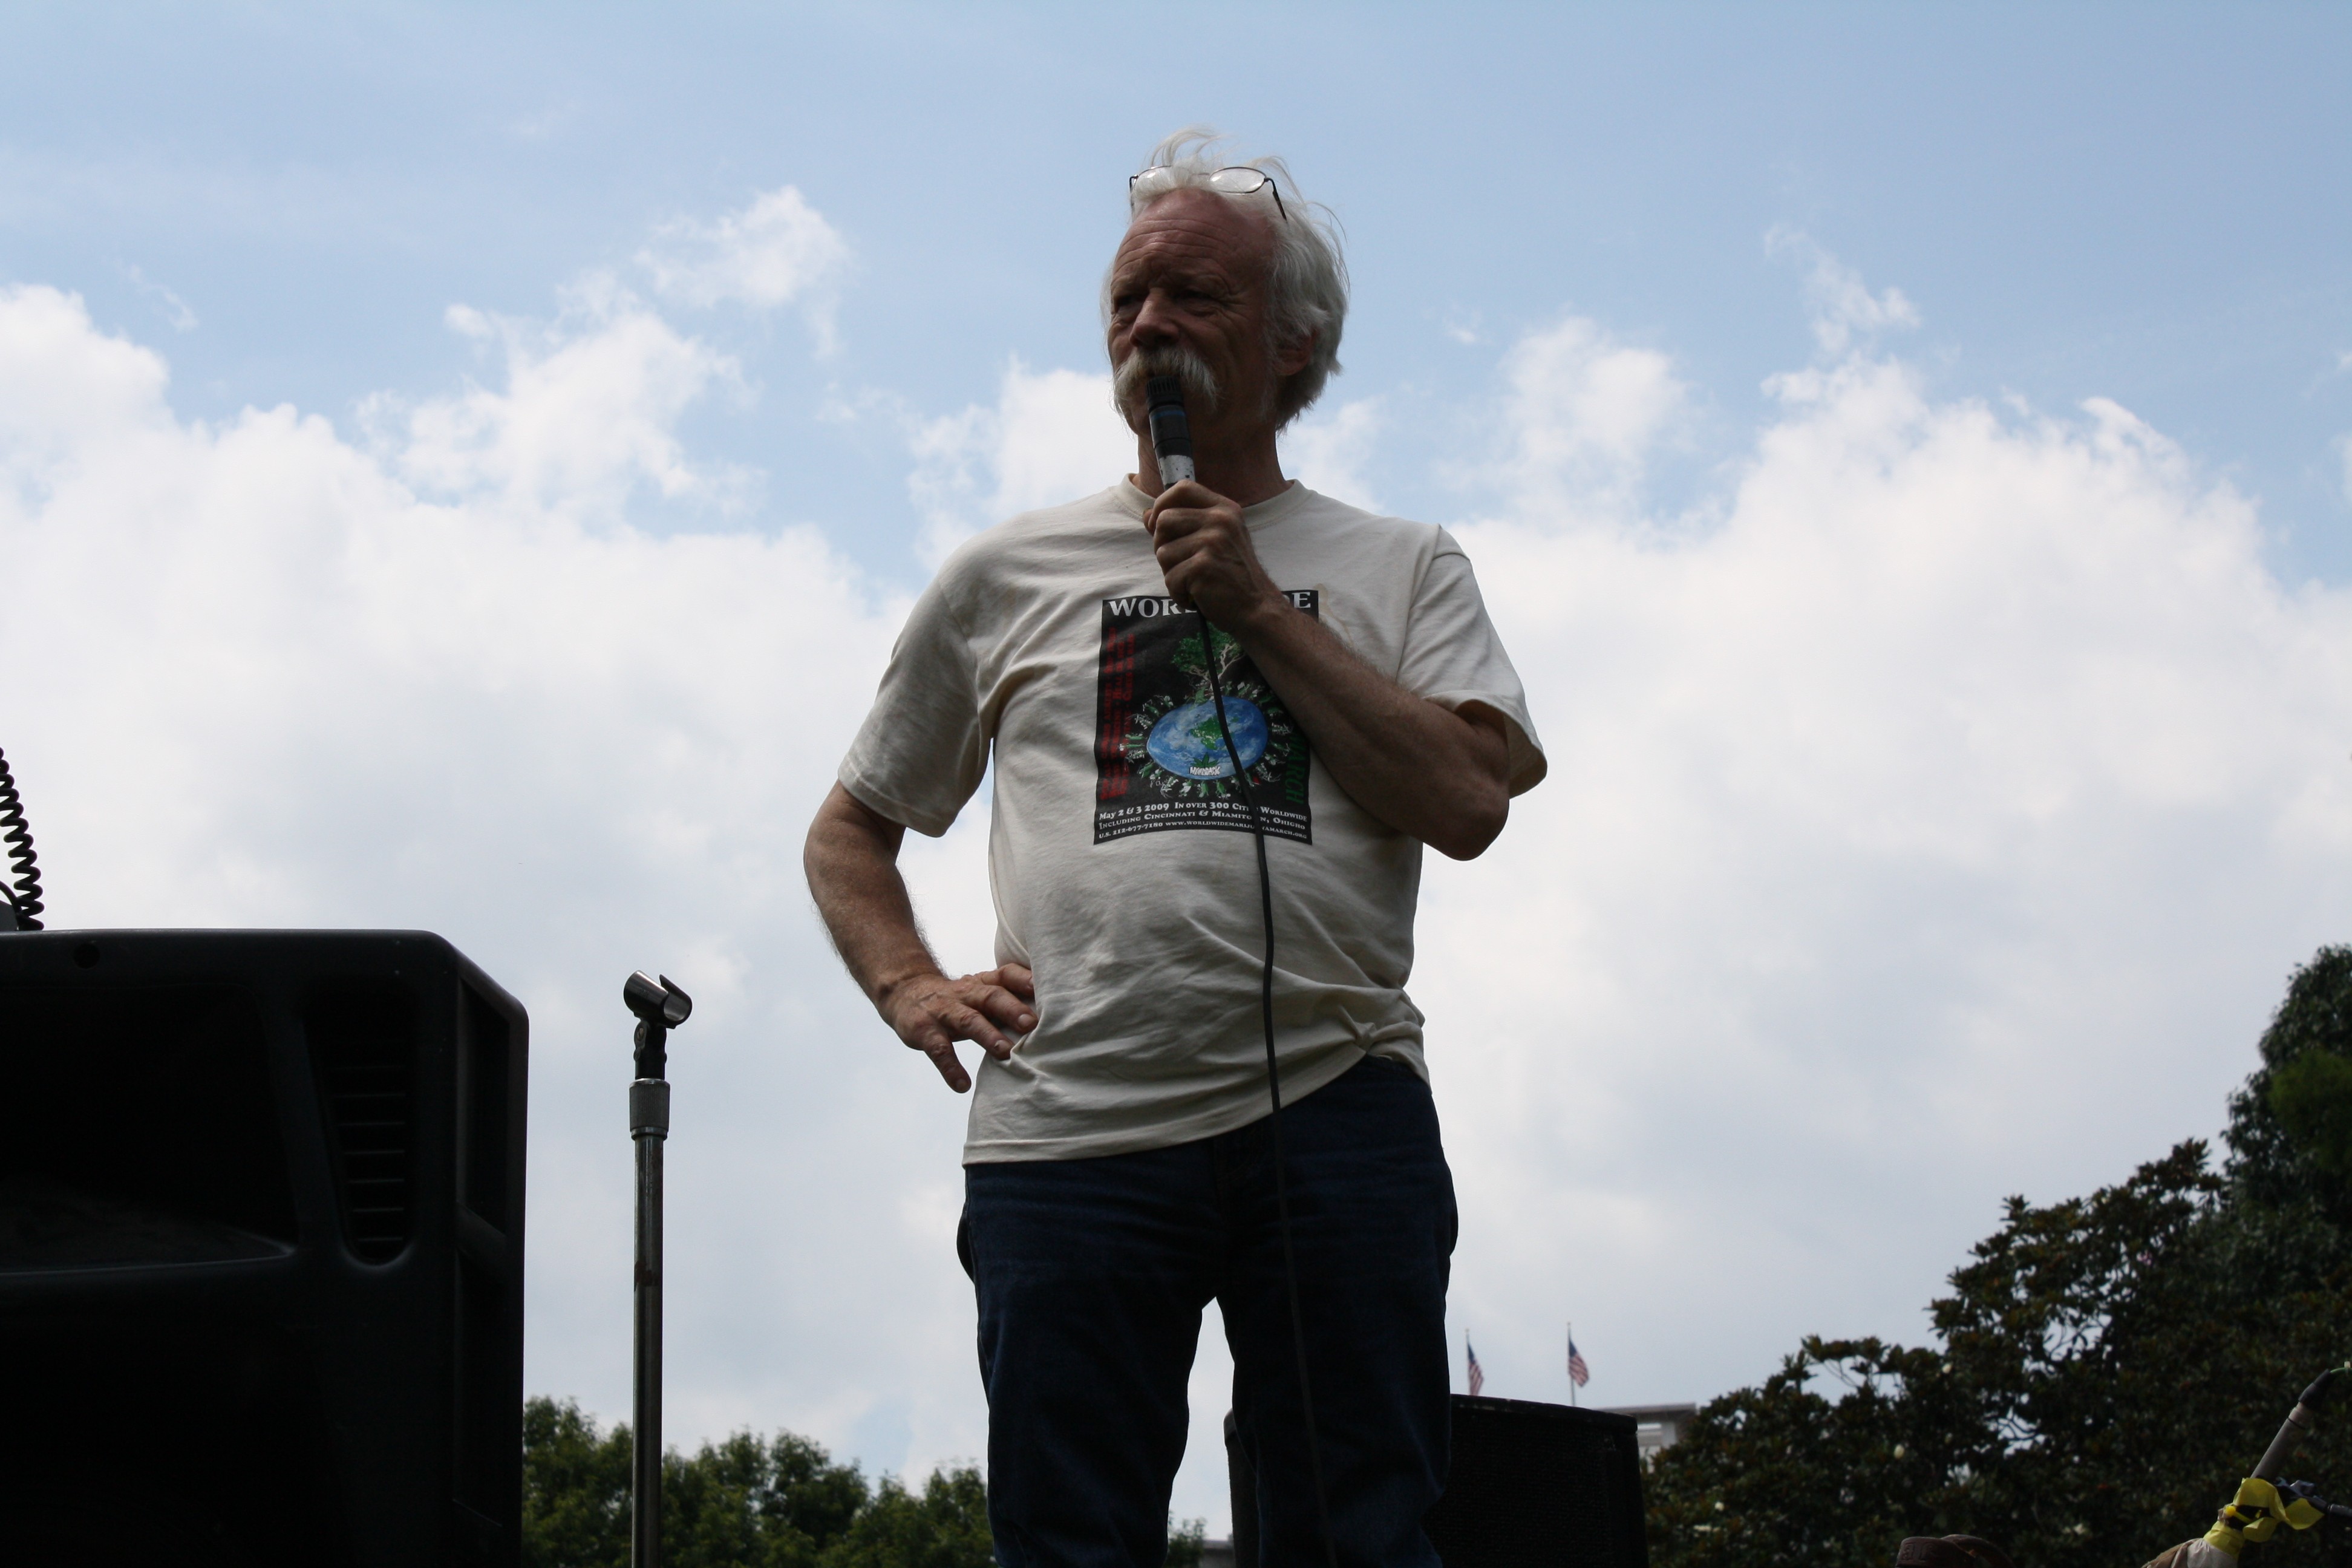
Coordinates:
[364,1050]
[146,1130]
[369,1109]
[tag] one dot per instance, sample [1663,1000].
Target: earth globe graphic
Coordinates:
[1186,740]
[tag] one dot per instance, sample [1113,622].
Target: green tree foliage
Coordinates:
[738,1503]
[1184,1543]
[2287,1126]
[745,1503]
[575,1489]
[2105,1368]
[945,1527]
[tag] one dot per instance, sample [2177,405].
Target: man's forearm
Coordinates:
[852,859]
[851,856]
[1421,768]
[1442,776]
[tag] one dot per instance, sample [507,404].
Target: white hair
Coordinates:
[1306,286]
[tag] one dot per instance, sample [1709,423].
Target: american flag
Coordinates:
[1477,1378]
[1578,1373]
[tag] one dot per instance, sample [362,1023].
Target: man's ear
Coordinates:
[1296,356]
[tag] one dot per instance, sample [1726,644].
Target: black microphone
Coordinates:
[2299,1421]
[1172,435]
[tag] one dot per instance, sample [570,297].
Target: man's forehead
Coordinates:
[1194,229]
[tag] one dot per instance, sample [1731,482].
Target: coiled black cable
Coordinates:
[1274,1093]
[23,885]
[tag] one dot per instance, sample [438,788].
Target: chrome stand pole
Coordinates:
[660,1006]
[649,1125]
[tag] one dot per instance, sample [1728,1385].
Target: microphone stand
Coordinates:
[660,1006]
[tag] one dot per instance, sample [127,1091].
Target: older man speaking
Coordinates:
[1120,1166]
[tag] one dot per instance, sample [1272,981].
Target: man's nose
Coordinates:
[1155,323]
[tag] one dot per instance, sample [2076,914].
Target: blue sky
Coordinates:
[464,467]
[2141,203]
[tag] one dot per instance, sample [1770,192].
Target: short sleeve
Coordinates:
[921,752]
[1454,656]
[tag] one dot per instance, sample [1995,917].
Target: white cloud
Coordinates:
[1845,313]
[585,417]
[1050,436]
[175,310]
[777,251]
[1330,449]
[1940,824]
[58,380]
[1582,414]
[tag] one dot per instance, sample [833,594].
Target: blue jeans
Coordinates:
[1092,1274]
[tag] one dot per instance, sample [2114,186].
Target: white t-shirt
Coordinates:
[1119,856]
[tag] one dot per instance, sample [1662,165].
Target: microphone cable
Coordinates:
[1171,445]
[22,885]
[1274,1096]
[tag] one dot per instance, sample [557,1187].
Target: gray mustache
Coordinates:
[1201,390]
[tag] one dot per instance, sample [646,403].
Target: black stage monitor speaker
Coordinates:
[261,1201]
[1540,1486]
[1532,1486]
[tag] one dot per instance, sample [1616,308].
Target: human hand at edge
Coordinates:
[991,1008]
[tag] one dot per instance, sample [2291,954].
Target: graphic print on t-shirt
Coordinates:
[1159,759]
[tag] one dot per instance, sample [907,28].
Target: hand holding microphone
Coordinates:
[1202,543]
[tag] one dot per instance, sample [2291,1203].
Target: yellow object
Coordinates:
[2225,1539]
[2254,1514]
